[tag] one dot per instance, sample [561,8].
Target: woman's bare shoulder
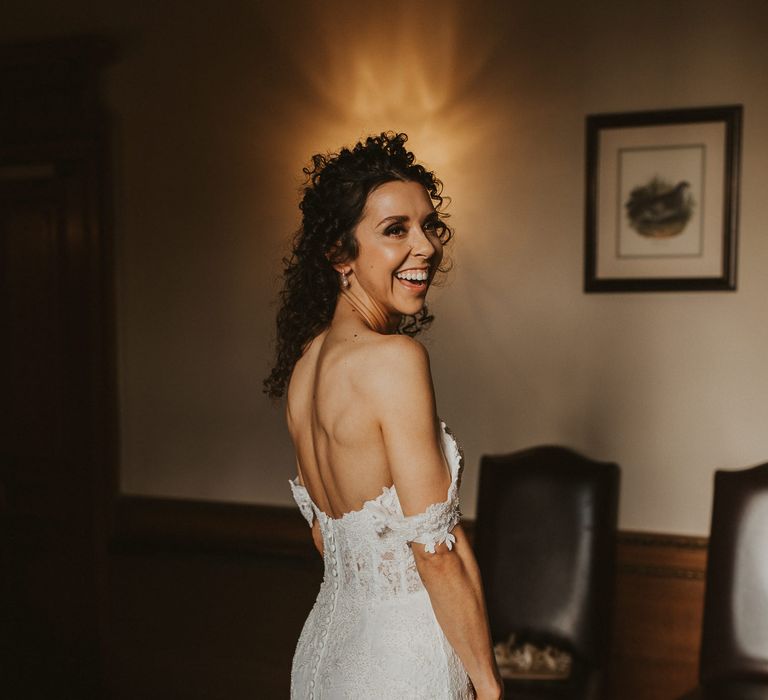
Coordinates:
[384,354]
[387,366]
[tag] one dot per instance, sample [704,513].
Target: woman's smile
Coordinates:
[414,279]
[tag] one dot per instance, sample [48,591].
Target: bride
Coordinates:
[400,613]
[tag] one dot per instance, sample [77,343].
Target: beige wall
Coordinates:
[216,108]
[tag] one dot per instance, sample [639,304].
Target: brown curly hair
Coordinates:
[335,193]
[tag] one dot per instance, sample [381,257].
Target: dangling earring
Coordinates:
[344,280]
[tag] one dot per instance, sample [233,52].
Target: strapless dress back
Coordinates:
[372,632]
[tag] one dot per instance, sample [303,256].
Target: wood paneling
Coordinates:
[659,584]
[206,625]
[57,399]
[165,524]
[657,623]
[207,599]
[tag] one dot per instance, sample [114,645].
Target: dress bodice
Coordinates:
[372,631]
[368,548]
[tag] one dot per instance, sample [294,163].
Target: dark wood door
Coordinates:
[56,398]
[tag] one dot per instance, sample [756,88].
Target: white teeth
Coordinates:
[413,275]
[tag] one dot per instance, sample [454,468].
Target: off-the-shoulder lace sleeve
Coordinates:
[432,527]
[301,496]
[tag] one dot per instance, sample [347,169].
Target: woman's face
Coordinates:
[399,248]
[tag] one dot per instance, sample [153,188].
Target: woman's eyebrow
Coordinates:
[397,218]
[402,218]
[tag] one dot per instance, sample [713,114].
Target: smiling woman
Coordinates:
[340,189]
[400,612]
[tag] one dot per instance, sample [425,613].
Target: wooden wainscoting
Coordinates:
[232,584]
[207,600]
[658,615]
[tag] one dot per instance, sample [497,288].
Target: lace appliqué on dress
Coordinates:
[432,527]
[301,496]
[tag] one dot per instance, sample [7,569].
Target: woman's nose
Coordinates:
[421,245]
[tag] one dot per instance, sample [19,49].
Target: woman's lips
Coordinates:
[413,286]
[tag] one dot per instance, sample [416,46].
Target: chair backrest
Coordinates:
[735,630]
[545,543]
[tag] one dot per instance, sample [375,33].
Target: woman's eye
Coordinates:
[434,227]
[395,230]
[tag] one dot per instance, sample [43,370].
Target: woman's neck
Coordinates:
[370,311]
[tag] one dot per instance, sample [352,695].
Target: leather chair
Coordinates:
[545,543]
[733,662]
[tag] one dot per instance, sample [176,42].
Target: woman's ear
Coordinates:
[342,268]
[332,255]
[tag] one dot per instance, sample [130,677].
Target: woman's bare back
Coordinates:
[340,450]
[360,410]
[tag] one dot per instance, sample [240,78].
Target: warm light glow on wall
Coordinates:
[408,69]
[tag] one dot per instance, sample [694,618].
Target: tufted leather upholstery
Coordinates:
[545,542]
[734,646]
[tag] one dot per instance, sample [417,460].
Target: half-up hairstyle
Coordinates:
[335,193]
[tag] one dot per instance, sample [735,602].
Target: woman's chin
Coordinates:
[412,308]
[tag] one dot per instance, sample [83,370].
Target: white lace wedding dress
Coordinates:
[372,633]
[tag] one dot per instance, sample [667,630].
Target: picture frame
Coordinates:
[662,200]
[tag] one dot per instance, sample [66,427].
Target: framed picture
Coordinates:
[662,200]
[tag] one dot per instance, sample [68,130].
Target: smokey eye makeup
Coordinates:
[432,225]
[395,230]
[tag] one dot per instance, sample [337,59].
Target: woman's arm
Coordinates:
[304,502]
[317,536]
[402,396]
[452,580]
